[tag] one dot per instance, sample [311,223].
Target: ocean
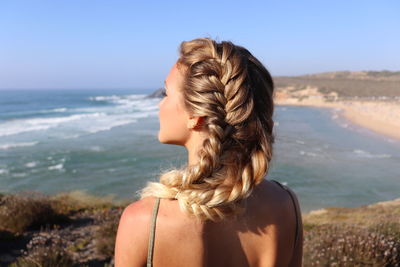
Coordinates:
[104,143]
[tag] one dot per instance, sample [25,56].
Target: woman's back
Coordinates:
[263,236]
[218,104]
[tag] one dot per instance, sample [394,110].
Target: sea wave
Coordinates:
[18,126]
[53,110]
[92,119]
[31,164]
[56,167]
[310,154]
[19,174]
[137,102]
[117,99]
[366,154]
[12,145]
[109,126]
[96,149]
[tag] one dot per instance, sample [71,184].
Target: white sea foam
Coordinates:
[106,127]
[58,120]
[96,148]
[3,171]
[310,154]
[300,142]
[22,174]
[389,140]
[12,145]
[137,102]
[365,154]
[59,110]
[56,167]
[31,164]
[128,109]
[53,110]
[114,120]
[117,99]
[14,127]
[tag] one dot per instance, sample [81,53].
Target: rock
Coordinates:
[156,94]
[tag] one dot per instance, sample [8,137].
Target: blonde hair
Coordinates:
[228,86]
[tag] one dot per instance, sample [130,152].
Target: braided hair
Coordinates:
[228,86]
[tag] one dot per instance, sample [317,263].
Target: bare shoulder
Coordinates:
[278,217]
[283,203]
[275,198]
[139,210]
[133,233]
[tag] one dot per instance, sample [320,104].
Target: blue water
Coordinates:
[105,142]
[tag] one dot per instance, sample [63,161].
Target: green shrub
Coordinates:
[44,251]
[75,201]
[7,236]
[106,234]
[20,213]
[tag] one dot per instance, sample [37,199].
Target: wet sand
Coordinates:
[381,116]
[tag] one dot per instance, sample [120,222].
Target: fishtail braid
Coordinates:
[235,157]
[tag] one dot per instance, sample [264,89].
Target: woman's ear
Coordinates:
[195,122]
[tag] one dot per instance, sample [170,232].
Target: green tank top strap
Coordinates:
[150,249]
[296,210]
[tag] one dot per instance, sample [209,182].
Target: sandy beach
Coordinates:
[380,115]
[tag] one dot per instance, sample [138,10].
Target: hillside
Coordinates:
[345,84]
[76,229]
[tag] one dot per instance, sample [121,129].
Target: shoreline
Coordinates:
[381,117]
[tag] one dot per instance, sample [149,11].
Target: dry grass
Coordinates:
[45,251]
[19,213]
[47,224]
[365,236]
[75,201]
[106,234]
[346,245]
[347,84]
[363,215]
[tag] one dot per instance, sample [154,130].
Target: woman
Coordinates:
[218,210]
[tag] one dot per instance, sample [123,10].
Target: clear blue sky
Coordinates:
[132,44]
